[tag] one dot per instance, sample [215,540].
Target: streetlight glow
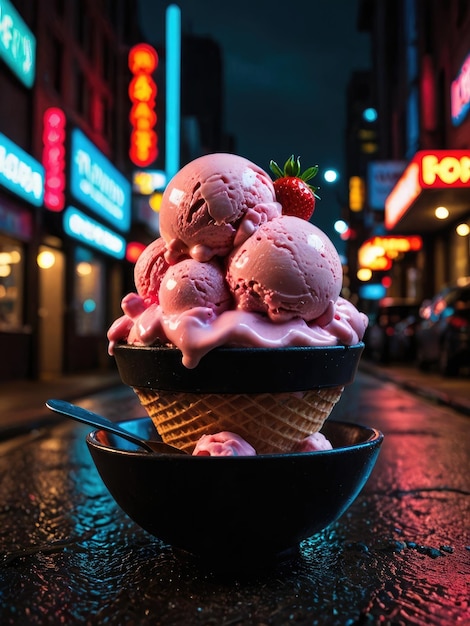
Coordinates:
[330,175]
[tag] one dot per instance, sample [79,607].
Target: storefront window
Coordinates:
[89,293]
[11,284]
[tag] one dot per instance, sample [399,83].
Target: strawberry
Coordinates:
[293,192]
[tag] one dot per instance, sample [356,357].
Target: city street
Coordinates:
[400,555]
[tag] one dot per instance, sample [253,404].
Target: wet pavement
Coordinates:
[400,554]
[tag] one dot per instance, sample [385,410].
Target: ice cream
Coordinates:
[190,284]
[229,271]
[150,268]
[223,444]
[288,269]
[314,443]
[213,202]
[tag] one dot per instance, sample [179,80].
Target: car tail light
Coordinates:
[458,322]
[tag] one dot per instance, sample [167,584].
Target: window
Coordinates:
[56,64]
[11,284]
[82,94]
[89,293]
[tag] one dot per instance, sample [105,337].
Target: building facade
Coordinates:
[418,226]
[73,217]
[65,196]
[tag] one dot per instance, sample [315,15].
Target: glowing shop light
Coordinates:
[463,230]
[84,268]
[441,213]
[86,230]
[364,274]
[46,259]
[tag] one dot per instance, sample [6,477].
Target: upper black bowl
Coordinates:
[239,370]
[234,510]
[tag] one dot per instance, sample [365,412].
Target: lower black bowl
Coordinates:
[236,509]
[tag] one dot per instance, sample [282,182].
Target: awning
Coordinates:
[431,179]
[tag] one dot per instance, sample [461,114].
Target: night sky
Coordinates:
[286,72]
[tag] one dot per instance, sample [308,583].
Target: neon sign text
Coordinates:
[378,253]
[97,184]
[447,171]
[17,44]
[143,61]
[86,230]
[460,93]
[427,170]
[20,173]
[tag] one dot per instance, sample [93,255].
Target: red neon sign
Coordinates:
[143,60]
[53,158]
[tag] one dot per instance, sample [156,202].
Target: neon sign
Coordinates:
[378,253]
[53,158]
[143,60]
[20,173]
[84,229]
[17,44]
[440,169]
[97,184]
[460,93]
[444,168]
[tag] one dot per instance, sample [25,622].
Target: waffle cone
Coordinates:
[270,422]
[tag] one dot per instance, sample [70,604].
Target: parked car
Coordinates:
[390,334]
[443,333]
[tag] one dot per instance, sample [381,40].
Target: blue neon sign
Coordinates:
[17,44]
[97,184]
[20,173]
[84,229]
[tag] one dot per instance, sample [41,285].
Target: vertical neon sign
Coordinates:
[173,79]
[143,60]
[53,158]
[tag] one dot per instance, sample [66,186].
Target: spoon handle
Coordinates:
[93,419]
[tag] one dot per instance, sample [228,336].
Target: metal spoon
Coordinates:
[98,421]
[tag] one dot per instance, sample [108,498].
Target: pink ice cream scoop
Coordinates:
[223,444]
[150,268]
[212,202]
[190,284]
[314,443]
[288,268]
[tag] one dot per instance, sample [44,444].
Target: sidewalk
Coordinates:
[22,402]
[452,392]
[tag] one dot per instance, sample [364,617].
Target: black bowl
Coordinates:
[239,370]
[236,510]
